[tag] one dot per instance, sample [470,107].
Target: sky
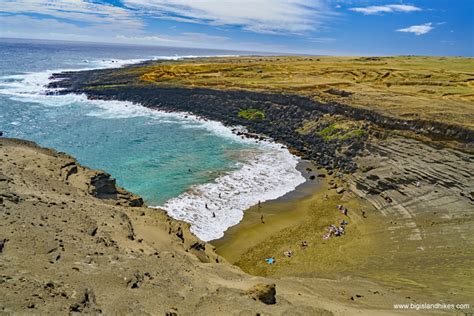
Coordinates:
[320,27]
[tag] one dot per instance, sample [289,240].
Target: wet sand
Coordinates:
[286,211]
[414,245]
[66,256]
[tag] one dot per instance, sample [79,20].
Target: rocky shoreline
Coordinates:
[96,248]
[284,115]
[72,242]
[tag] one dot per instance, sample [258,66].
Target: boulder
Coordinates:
[102,186]
[87,304]
[264,293]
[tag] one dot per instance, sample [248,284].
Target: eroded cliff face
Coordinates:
[71,241]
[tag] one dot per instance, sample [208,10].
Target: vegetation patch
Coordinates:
[413,88]
[251,114]
[340,132]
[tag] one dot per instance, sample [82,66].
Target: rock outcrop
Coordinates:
[64,249]
[284,115]
[264,293]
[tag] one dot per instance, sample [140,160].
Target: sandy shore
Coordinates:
[399,237]
[71,241]
[302,215]
[286,211]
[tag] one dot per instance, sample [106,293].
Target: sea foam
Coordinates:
[269,173]
[268,170]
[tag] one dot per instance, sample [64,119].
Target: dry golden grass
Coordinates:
[432,88]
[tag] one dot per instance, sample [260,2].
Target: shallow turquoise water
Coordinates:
[148,155]
[198,171]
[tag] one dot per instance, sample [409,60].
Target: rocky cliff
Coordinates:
[71,241]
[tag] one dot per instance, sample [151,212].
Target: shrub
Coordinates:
[251,114]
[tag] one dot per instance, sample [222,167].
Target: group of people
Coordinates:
[340,230]
[336,231]
[343,209]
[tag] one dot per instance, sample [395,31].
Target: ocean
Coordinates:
[175,161]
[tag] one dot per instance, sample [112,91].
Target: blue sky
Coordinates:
[330,27]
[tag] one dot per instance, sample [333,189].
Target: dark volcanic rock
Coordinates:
[103,186]
[87,304]
[264,293]
[284,113]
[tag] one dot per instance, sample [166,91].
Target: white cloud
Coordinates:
[23,26]
[321,39]
[76,10]
[94,20]
[183,39]
[418,29]
[389,8]
[261,16]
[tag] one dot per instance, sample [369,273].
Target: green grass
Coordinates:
[335,131]
[251,114]
[431,88]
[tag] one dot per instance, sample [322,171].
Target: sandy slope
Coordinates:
[64,250]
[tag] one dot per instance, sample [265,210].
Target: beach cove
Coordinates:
[390,161]
[404,183]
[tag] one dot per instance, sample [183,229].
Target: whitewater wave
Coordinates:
[268,171]
[31,87]
[212,208]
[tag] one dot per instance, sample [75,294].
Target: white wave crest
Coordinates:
[268,174]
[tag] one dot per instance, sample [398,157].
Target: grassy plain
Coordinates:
[432,88]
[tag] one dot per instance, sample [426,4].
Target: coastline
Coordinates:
[418,213]
[276,215]
[67,257]
[215,127]
[400,218]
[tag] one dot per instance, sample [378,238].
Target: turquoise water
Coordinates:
[149,155]
[198,171]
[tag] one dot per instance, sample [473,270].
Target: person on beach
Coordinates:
[206,206]
[213,214]
[344,211]
[259,205]
[261,219]
[304,244]
[270,260]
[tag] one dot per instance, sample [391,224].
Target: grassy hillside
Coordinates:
[432,88]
